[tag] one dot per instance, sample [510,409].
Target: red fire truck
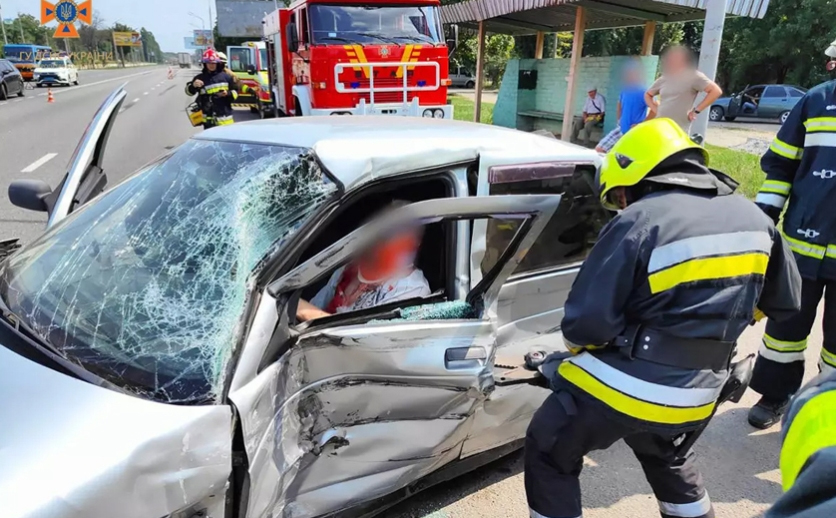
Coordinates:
[359,57]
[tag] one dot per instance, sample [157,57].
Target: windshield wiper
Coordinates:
[381,37]
[336,38]
[414,38]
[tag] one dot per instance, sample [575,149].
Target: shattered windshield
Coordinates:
[146,286]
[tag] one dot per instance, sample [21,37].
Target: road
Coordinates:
[36,141]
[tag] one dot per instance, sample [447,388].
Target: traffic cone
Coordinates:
[49,97]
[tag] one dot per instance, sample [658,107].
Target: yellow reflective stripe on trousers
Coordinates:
[820,124]
[828,358]
[776,187]
[709,268]
[619,391]
[783,345]
[813,429]
[785,150]
[807,249]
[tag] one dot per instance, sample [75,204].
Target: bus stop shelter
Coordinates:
[538,17]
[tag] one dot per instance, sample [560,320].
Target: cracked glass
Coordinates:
[146,286]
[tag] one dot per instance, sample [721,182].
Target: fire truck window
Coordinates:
[333,24]
[303,27]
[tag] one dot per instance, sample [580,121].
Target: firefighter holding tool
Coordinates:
[800,168]
[652,320]
[216,90]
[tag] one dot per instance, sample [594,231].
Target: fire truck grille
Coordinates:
[388,97]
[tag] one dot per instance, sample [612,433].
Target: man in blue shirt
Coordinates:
[631,108]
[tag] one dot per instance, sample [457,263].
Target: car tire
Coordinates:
[729,119]
[3,94]
[22,91]
[470,84]
[716,113]
[784,117]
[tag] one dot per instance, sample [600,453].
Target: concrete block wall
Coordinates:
[550,94]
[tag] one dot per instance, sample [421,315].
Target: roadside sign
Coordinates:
[127,39]
[203,38]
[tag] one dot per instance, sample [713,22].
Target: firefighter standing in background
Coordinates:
[216,91]
[800,166]
[652,320]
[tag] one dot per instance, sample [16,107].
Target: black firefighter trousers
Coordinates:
[779,369]
[566,428]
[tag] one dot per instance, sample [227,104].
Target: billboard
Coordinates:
[127,39]
[189,43]
[203,38]
[242,18]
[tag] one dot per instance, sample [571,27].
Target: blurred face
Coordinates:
[675,61]
[211,66]
[632,76]
[391,256]
[592,93]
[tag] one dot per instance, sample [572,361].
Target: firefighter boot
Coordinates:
[767,412]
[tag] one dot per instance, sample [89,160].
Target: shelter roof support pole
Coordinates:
[480,71]
[647,40]
[538,49]
[577,48]
[712,36]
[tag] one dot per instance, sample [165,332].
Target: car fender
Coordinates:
[303,93]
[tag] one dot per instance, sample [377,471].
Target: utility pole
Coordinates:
[20,24]
[3,23]
[712,36]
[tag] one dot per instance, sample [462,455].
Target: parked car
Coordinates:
[56,71]
[462,77]
[151,360]
[760,101]
[11,82]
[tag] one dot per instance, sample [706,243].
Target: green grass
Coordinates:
[743,167]
[463,110]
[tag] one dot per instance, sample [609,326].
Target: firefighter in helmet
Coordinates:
[216,90]
[800,167]
[652,320]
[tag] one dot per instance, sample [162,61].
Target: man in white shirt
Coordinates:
[593,113]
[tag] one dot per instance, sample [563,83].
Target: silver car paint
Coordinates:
[69,449]
[355,412]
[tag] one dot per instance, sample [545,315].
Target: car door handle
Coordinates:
[465,357]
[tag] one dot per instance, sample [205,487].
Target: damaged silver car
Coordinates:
[152,364]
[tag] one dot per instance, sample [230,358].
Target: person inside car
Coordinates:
[385,274]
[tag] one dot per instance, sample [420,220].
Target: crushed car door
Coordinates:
[85,177]
[356,406]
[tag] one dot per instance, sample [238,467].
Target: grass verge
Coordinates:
[463,110]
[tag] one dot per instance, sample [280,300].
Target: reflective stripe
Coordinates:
[693,510]
[534,514]
[820,124]
[802,248]
[828,358]
[780,357]
[216,87]
[710,268]
[820,140]
[810,431]
[773,200]
[831,251]
[776,187]
[785,150]
[706,246]
[638,398]
[783,346]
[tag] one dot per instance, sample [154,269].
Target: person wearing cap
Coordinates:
[678,88]
[800,167]
[630,109]
[593,114]
[651,321]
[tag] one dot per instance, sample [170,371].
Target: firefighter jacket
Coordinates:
[217,108]
[808,454]
[666,291]
[800,166]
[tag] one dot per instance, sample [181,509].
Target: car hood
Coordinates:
[39,70]
[70,449]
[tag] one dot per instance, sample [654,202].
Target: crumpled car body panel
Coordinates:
[70,449]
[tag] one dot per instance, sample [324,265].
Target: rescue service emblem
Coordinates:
[623,161]
[66,13]
[384,52]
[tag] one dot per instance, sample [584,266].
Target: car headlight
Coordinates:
[427,113]
[36,76]
[438,114]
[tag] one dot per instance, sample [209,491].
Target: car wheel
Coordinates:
[784,117]
[3,93]
[730,119]
[470,84]
[716,113]
[22,91]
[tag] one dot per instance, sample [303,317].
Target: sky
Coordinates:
[169,20]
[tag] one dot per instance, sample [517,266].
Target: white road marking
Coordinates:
[146,93]
[136,100]
[88,85]
[1,104]
[38,163]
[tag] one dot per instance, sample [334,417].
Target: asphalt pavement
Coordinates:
[37,139]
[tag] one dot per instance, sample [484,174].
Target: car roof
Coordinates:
[359,149]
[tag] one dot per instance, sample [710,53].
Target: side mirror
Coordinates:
[452,40]
[251,69]
[291,37]
[30,194]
